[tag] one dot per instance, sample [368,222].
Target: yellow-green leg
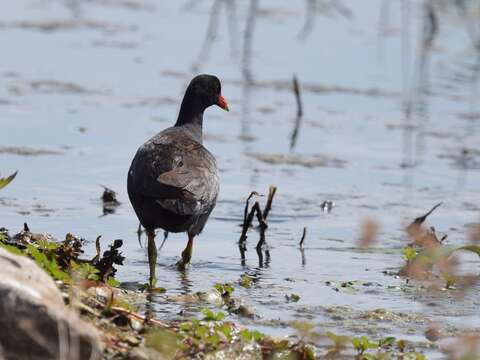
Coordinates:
[152,257]
[186,254]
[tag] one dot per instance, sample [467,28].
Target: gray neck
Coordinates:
[194,129]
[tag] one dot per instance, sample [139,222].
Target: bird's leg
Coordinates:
[186,254]
[152,256]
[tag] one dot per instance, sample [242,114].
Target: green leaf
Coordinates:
[113,282]
[7,180]
[357,344]
[225,329]
[245,281]
[254,335]
[158,290]
[186,326]
[419,356]
[293,298]
[409,253]
[50,266]
[85,271]
[209,315]
[12,249]
[164,341]
[258,336]
[224,289]
[45,245]
[201,331]
[124,305]
[386,342]
[246,335]
[309,354]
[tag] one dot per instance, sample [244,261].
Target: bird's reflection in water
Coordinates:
[185,287]
[185,282]
[150,306]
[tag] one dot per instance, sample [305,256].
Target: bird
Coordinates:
[173,180]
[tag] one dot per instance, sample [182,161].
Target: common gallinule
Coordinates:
[173,180]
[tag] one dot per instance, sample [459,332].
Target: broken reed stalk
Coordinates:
[145,319]
[421,219]
[304,235]
[261,216]
[298,120]
[97,248]
[271,193]
[262,223]
[415,227]
[247,218]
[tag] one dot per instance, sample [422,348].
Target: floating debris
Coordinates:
[327,206]
[292,298]
[110,202]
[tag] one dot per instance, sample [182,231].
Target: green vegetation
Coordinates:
[61,260]
[367,349]
[7,180]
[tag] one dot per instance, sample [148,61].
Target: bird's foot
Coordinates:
[152,282]
[184,262]
[182,265]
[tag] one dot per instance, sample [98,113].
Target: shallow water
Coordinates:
[92,82]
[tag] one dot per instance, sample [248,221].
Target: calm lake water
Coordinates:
[85,83]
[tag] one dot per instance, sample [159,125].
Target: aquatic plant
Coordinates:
[7,180]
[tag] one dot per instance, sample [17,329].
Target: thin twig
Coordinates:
[421,219]
[245,211]
[260,216]
[304,235]
[414,227]
[298,120]
[98,249]
[262,224]
[247,218]
[138,316]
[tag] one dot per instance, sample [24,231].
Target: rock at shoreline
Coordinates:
[34,320]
